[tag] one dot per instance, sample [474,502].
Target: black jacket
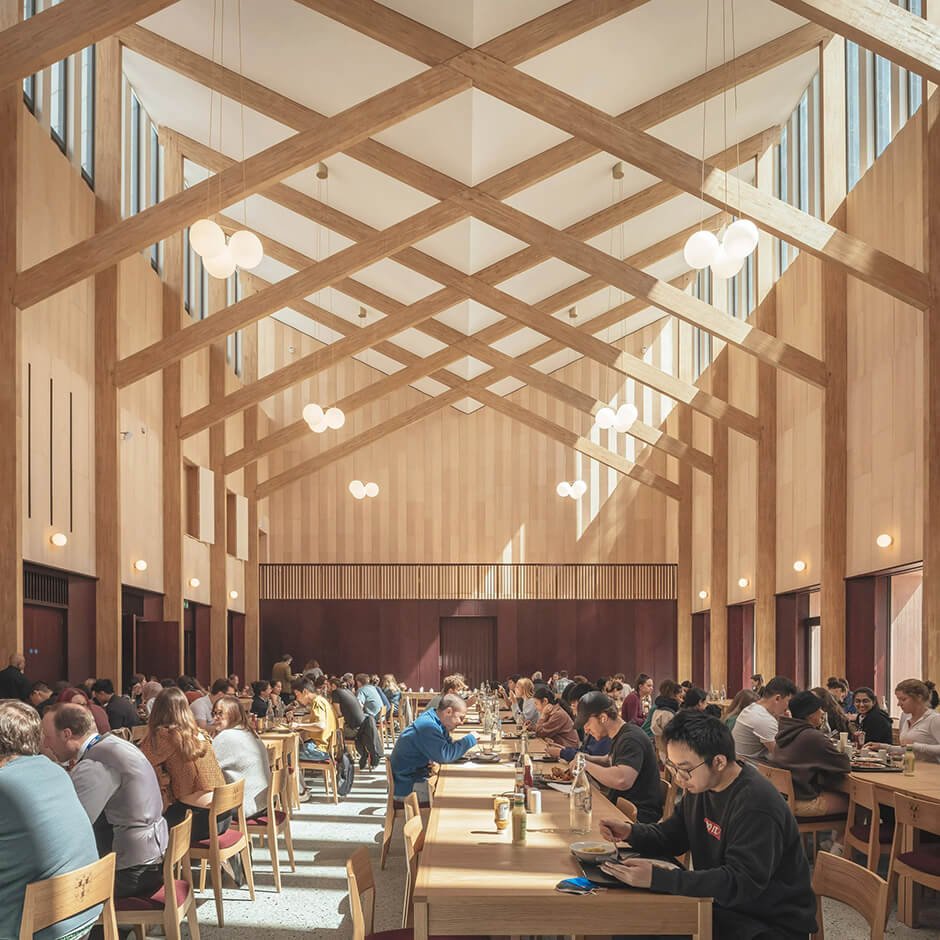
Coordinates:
[13,684]
[747,854]
[876,725]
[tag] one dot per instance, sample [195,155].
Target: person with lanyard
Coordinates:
[119,790]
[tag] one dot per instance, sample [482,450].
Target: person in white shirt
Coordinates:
[920,724]
[755,730]
[202,707]
[241,753]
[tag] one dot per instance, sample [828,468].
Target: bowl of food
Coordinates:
[594,852]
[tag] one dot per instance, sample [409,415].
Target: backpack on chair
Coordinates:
[345,773]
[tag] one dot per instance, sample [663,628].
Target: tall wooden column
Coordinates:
[172,391]
[765,575]
[11,453]
[108,554]
[252,585]
[684,566]
[718,625]
[931,599]
[218,577]
[833,303]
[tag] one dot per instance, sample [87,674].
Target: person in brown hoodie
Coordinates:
[554,722]
[812,759]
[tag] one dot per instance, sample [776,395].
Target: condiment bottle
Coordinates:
[518,819]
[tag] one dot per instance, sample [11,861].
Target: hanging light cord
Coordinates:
[708,19]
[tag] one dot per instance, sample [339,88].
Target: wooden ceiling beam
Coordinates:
[882,27]
[404,419]
[621,274]
[50,36]
[242,179]
[647,152]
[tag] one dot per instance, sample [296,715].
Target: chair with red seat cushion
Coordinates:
[914,862]
[217,848]
[859,836]
[177,885]
[270,823]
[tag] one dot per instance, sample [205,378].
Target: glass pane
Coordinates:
[906,630]
[815,655]
[853,113]
[882,104]
[135,155]
[58,102]
[88,112]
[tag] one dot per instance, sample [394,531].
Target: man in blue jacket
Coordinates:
[427,740]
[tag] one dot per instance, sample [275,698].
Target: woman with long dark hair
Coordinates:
[871,718]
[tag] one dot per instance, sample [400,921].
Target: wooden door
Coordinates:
[740,647]
[45,642]
[157,648]
[468,646]
[701,628]
[236,645]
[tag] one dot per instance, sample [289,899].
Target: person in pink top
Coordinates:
[633,711]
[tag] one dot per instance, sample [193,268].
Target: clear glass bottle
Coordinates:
[579,801]
[909,760]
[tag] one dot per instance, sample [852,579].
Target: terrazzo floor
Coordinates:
[313,905]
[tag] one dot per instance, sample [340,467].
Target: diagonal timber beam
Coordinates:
[766,348]
[240,180]
[882,27]
[58,31]
[642,150]
[402,420]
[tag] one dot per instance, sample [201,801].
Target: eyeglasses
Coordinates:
[217,713]
[682,771]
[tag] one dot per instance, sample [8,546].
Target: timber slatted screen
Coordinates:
[468,582]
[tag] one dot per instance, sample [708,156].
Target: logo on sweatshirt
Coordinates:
[714,830]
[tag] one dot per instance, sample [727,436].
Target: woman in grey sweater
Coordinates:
[241,753]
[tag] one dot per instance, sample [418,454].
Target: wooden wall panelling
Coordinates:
[718,633]
[867,615]
[11,511]
[742,481]
[108,559]
[702,513]
[250,594]
[931,600]
[685,588]
[218,588]
[172,454]
[81,629]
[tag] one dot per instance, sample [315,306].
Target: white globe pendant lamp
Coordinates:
[563,489]
[724,266]
[313,414]
[740,238]
[221,265]
[334,418]
[700,249]
[605,418]
[372,490]
[206,238]
[246,249]
[578,489]
[357,488]
[626,416]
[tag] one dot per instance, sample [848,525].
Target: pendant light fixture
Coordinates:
[576,489]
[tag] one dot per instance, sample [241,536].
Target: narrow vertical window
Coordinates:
[853,123]
[882,104]
[59,103]
[915,85]
[155,177]
[29,83]
[88,115]
[135,154]
[187,273]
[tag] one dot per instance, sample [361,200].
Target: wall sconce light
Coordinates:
[884,540]
[140,564]
[799,566]
[703,594]
[59,539]
[743,582]
[233,595]
[194,582]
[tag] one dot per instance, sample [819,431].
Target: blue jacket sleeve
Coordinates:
[438,747]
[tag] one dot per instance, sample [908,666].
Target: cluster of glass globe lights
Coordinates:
[725,257]
[220,257]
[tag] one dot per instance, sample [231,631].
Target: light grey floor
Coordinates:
[313,905]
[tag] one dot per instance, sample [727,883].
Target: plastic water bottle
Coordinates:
[579,800]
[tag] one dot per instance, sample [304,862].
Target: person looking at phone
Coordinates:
[745,845]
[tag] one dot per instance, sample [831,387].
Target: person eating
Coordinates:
[554,724]
[871,718]
[920,724]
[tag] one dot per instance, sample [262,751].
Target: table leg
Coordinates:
[420,920]
[704,931]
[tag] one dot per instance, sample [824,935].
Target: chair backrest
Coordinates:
[627,807]
[176,865]
[361,893]
[920,814]
[669,790]
[780,778]
[56,899]
[274,790]
[862,793]
[390,780]
[275,751]
[225,799]
[412,806]
[414,842]
[139,732]
[859,888]
[124,733]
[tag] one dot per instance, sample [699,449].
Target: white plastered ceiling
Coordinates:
[329,67]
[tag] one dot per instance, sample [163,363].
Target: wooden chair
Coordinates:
[326,767]
[808,825]
[871,837]
[175,901]
[139,732]
[628,808]
[859,888]
[670,793]
[412,806]
[218,848]
[391,811]
[125,733]
[270,823]
[413,834]
[914,863]
[56,899]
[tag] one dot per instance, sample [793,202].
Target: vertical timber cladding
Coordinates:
[466,582]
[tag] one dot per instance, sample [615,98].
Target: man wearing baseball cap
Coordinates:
[630,770]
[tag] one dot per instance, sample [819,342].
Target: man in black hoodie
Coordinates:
[745,845]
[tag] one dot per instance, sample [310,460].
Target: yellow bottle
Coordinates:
[909,761]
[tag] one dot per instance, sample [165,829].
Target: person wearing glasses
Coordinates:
[630,769]
[746,849]
[871,718]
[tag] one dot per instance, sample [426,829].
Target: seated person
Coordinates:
[589,745]
[425,741]
[744,698]
[202,706]
[241,753]
[554,724]
[278,705]
[451,685]
[523,705]
[44,831]
[148,695]
[871,717]
[812,759]
[630,770]
[314,710]
[392,691]
[261,706]
[369,697]
[186,765]
[78,697]
[357,725]
[119,791]
[755,731]
[746,849]
[633,710]
[920,724]
[121,711]
[40,697]
[835,719]
[664,710]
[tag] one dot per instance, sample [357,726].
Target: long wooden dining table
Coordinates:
[473,881]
